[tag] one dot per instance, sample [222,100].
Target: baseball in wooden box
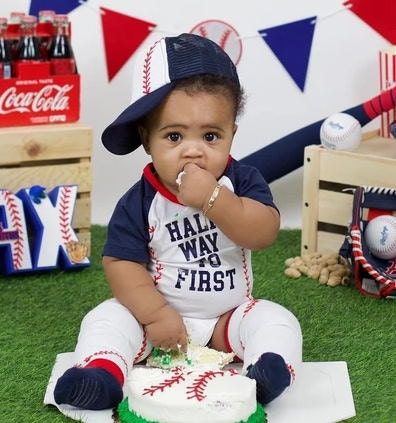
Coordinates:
[329,179]
[50,156]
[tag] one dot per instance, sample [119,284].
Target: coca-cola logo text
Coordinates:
[49,98]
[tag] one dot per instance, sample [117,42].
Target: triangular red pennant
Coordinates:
[291,44]
[379,14]
[122,35]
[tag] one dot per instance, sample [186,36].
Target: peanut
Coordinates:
[334,281]
[291,272]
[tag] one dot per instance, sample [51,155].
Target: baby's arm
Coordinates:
[133,287]
[245,221]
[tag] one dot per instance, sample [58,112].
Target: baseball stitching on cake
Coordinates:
[176,378]
[197,389]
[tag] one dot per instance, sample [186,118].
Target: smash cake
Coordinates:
[193,387]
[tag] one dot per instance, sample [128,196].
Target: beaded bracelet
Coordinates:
[212,199]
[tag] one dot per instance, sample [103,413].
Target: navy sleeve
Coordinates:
[251,184]
[127,233]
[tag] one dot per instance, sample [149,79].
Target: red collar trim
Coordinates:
[152,179]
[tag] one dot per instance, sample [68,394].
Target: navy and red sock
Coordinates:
[272,376]
[95,387]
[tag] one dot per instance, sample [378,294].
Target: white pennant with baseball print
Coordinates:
[223,34]
[13,234]
[52,218]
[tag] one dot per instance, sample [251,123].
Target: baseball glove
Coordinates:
[373,276]
[77,251]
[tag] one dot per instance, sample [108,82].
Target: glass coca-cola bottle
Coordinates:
[60,52]
[45,30]
[14,31]
[5,52]
[46,16]
[28,48]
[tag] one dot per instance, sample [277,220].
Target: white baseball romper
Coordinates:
[200,272]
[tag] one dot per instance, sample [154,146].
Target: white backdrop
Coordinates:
[343,72]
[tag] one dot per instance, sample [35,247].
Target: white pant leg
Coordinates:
[260,326]
[111,332]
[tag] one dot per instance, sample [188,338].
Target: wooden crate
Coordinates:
[327,208]
[50,155]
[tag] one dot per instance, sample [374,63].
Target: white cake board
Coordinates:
[321,394]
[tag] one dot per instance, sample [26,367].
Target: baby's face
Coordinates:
[186,128]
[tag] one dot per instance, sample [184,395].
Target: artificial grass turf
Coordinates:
[40,316]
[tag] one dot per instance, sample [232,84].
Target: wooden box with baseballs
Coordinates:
[327,202]
[49,156]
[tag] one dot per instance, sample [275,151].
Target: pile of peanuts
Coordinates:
[328,269]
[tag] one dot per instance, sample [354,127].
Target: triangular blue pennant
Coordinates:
[291,43]
[59,6]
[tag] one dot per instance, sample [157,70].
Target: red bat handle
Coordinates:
[382,103]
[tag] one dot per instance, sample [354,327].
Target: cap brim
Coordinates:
[122,136]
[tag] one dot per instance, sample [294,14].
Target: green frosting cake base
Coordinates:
[127,416]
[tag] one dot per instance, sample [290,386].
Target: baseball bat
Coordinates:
[287,153]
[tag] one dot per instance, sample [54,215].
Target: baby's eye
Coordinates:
[174,136]
[210,137]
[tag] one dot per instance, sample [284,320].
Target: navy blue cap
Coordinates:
[168,60]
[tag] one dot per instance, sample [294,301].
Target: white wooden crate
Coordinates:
[327,206]
[50,155]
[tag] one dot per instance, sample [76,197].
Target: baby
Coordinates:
[178,249]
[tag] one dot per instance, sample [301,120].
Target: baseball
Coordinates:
[380,236]
[341,131]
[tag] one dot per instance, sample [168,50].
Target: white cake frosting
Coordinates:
[195,357]
[181,395]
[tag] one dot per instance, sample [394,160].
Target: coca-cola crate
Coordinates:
[50,155]
[37,97]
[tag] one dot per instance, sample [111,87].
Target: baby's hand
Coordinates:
[196,186]
[167,331]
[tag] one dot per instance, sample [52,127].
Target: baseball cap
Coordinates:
[167,61]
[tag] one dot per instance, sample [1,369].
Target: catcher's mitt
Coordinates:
[373,276]
[77,251]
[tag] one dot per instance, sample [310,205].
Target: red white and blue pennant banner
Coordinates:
[291,42]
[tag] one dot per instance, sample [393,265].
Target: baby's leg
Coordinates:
[267,337]
[111,332]
[219,340]
[110,341]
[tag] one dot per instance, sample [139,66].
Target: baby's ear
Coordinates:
[143,133]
